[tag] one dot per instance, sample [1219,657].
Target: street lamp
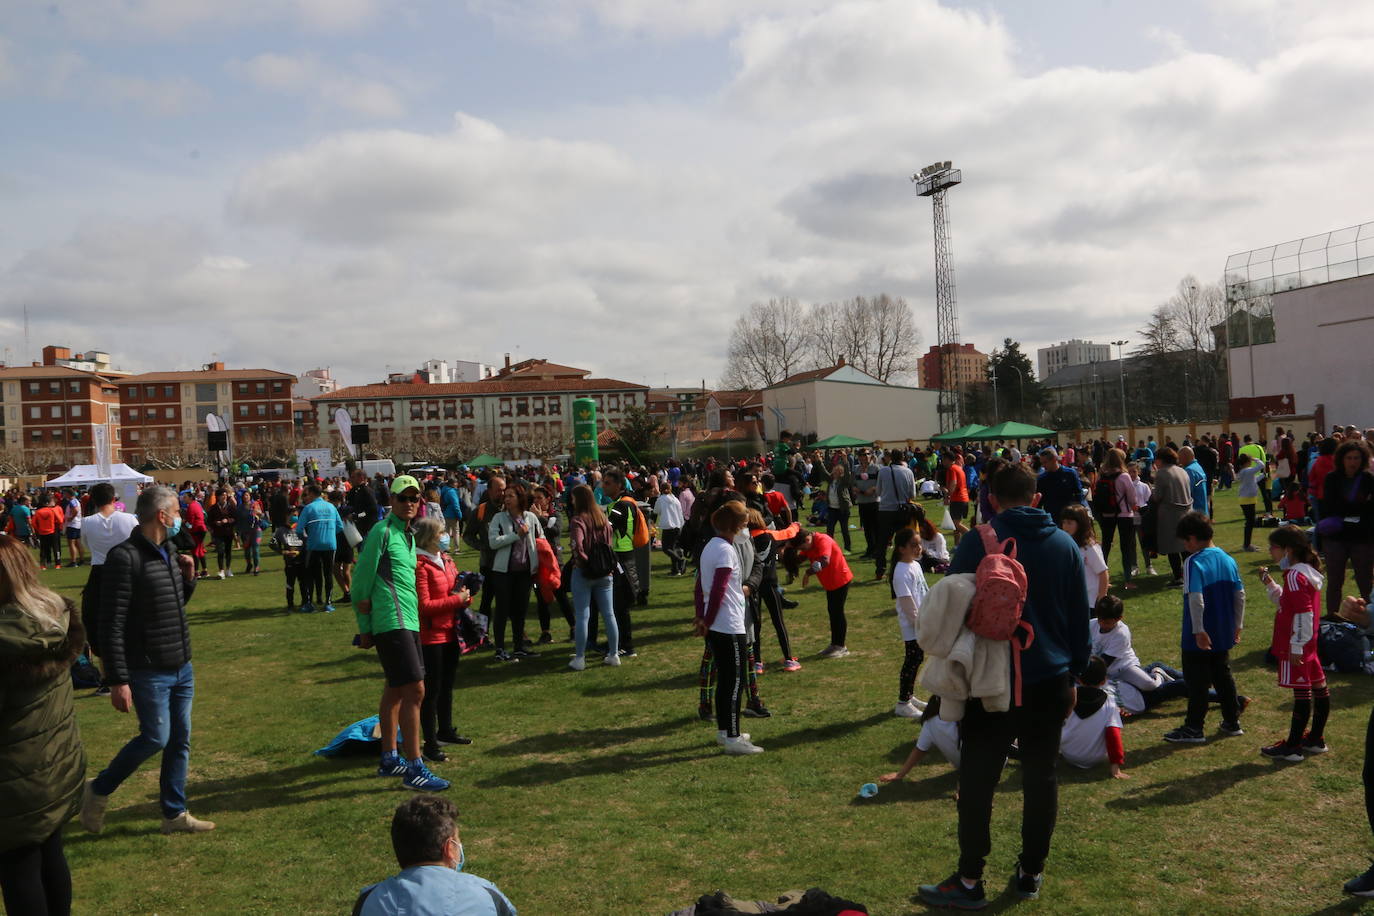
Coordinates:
[992,374]
[1020,389]
[1121,364]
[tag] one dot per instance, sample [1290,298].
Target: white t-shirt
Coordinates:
[1116,643]
[721,554]
[668,511]
[1083,742]
[1142,493]
[1094,564]
[73,513]
[935,548]
[909,582]
[101,534]
[937,733]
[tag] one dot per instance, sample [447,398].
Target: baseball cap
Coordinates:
[403,483]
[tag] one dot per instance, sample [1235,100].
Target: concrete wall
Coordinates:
[886,413]
[1324,338]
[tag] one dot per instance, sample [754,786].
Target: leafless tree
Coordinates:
[769,342]
[876,335]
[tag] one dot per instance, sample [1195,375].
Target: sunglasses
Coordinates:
[401,497]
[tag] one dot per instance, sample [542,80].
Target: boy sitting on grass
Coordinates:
[1092,732]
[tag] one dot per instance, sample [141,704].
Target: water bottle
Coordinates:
[868,790]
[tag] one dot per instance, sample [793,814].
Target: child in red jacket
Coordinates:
[826,562]
[440,602]
[1295,642]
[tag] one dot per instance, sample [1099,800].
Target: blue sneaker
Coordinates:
[419,778]
[307,607]
[392,765]
[1025,886]
[329,608]
[951,894]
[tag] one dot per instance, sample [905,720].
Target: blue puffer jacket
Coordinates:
[1056,600]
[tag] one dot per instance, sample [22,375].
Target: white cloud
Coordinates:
[158,19]
[306,76]
[656,18]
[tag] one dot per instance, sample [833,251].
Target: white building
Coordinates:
[312,382]
[1301,329]
[1050,360]
[465,370]
[841,400]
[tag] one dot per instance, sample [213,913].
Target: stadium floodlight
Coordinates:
[932,181]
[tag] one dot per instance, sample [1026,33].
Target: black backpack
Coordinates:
[600,561]
[1104,497]
[1342,646]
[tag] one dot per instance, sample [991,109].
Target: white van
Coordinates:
[384,466]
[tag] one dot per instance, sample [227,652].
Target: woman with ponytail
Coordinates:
[908,587]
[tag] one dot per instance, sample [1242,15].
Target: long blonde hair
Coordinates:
[19,586]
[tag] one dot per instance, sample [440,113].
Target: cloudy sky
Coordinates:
[367,184]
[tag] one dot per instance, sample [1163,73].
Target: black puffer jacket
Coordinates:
[42,762]
[142,610]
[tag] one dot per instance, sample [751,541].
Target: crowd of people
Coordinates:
[1038,525]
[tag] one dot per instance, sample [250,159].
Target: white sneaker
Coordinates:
[1150,571]
[829,651]
[739,747]
[919,704]
[906,710]
[229,573]
[577,663]
[184,823]
[93,807]
[839,652]
[612,660]
[722,737]
[221,574]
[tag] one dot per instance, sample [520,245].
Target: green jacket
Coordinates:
[621,515]
[42,761]
[385,575]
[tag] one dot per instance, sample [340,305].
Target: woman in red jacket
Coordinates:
[194,514]
[440,600]
[47,524]
[826,562]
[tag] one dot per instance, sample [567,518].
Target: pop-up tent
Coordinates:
[485,461]
[839,441]
[1010,429]
[124,478]
[961,434]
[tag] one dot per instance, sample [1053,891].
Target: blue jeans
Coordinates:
[162,699]
[583,591]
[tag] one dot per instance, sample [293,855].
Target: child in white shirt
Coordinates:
[935,733]
[1092,732]
[908,586]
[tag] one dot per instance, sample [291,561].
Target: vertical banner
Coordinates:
[101,434]
[345,424]
[585,450]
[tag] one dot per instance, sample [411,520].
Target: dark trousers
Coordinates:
[441,670]
[838,517]
[625,592]
[560,596]
[771,598]
[512,604]
[1125,527]
[675,556]
[986,736]
[868,521]
[50,549]
[888,523]
[728,651]
[35,879]
[1266,493]
[906,681]
[488,593]
[319,576]
[1369,770]
[1359,555]
[1248,510]
[834,606]
[1203,671]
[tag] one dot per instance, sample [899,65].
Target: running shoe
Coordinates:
[1185,735]
[1362,886]
[758,667]
[392,765]
[1025,886]
[756,711]
[1312,745]
[419,778]
[1282,750]
[953,895]
[1231,729]
[791,664]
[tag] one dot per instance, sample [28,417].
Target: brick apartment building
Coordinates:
[167,410]
[49,412]
[968,366]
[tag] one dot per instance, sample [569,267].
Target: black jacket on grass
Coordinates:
[143,610]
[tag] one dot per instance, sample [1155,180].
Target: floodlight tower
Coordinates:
[932,181]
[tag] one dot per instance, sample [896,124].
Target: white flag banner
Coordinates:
[101,435]
[345,424]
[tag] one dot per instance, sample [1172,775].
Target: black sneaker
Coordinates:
[545,638]
[451,736]
[503,656]
[1312,745]
[1185,735]
[705,714]
[951,894]
[627,653]
[757,711]
[1363,886]
[434,754]
[1025,886]
[526,653]
[1282,750]
[788,603]
[102,691]
[1231,729]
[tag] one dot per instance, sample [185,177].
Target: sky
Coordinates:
[368,184]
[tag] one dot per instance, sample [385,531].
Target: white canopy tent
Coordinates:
[125,479]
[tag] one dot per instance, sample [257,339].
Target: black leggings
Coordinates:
[769,595]
[1369,770]
[728,651]
[50,549]
[1248,510]
[35,879]
[906,683]
[224,551]
[834,606]
[1202,671]
[441,670]
[838,517]
[512,604]
[319,576]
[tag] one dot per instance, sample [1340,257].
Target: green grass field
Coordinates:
[601,792]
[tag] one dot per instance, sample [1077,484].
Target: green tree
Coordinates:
[1020,396]
[638,430]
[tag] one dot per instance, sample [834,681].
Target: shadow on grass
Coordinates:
[237,614]
[555,742]
[937,786]
[824,732]
[1191,789]
[998,901]
[547,773]
[1353,905]
[684,681]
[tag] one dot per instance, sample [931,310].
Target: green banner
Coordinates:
[585,450]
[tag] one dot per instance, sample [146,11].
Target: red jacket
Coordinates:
[834,572]
[439,607]
[549,575]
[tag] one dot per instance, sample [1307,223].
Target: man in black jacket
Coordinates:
[146,647]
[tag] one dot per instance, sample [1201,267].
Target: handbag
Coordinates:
[351,534]
[1335,525]
[947,522]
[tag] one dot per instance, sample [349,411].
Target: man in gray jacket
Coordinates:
[896,487]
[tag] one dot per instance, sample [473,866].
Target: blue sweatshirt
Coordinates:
[321,523]
[1056,602]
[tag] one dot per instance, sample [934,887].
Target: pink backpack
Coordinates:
[999,594]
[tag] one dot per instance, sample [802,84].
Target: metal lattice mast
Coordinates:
[933,181]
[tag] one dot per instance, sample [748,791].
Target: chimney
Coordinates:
[507,360]
[841,362]
[52,354]
[214,367]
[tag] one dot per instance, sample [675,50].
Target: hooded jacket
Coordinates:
[143,600]
[43,764]
[1056,602]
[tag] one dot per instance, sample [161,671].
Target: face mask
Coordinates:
[175,529]
[443,543]
[458,866]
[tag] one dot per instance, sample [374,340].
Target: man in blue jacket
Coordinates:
[452,506]
[1057,608]
[321,526]
[1197,478]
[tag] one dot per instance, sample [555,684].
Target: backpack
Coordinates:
[999,595]
[600,558]
[1104,497]
[1341,646]
[642,535]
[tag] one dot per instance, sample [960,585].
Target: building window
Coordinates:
[36,435]
[260,387]
[597,400]
[465,408]
[555,427]
[54,387]
[278,410]
[262,410]
[170,413]
[150,391]
[353,412]
[369,412]
[74,386]
[56,435]
[56,412]
[243,387]
[538,406]
[33,387]
[170,434]
[523,430]
[431,410]
[133,435]
[243,410]
[36,413]
[76,410]
[169,391]
[450,410]
[506,408]
[77,434]
[522,407]
[276,387]
[203,411]
[629,400]
[469,430]
[555,407]
[613,402]
[507,432]
[205,391]
[384,412]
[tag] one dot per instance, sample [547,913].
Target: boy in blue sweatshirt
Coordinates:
[1213,616]
[1057,608]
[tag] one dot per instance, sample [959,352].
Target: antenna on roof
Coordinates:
[27,349]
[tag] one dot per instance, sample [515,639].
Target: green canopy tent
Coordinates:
[485,461]
[1010,429]
[961,434]
[838,441]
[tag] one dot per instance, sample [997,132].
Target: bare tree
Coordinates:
[545,445]
[876,335]
[768,343]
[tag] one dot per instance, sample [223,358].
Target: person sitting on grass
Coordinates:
[1299,601]
[1137,688]
[1294,503]
[1213,616]
[1092,732]
[424,836]
[935,733]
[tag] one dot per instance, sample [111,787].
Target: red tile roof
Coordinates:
[206,375]
[736,398]
[16,372]
[537,368]
[404,391]
[810,374]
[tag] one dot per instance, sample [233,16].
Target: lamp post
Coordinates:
[992,374]
[1020,390]
[1121,364]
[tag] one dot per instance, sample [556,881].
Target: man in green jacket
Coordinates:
[389,618]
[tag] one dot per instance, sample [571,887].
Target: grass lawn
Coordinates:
[601,792]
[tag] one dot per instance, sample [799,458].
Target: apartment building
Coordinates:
[49,414]
[968,366]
